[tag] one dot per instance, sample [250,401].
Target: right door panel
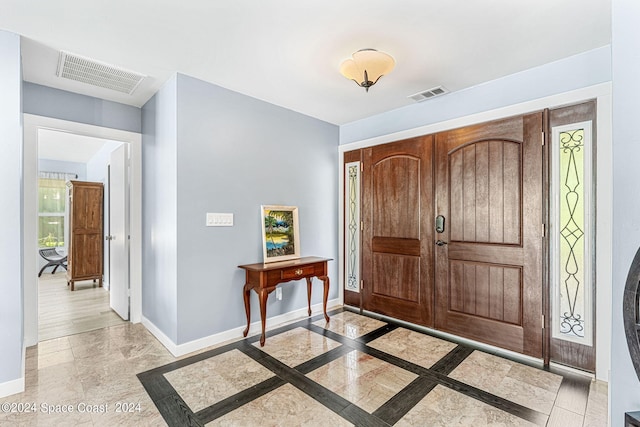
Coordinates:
[488,259]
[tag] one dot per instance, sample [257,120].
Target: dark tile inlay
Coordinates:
[401,403]
[177,413]
[237,400]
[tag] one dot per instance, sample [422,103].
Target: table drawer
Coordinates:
[298,272]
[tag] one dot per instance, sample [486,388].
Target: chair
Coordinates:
[53,258]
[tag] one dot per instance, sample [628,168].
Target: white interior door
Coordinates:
[119,232]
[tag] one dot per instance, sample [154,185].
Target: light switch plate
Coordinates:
[219,219]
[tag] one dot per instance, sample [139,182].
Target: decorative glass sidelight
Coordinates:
[571,236]
[352,227]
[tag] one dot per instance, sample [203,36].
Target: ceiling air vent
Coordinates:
[428,94]
[96,73]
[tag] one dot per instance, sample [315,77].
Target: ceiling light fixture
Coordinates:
[366,66]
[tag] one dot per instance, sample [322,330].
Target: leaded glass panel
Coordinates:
[571,236]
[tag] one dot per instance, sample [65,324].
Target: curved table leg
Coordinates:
[263,294]
[309,279]
[246,293]
[325,280]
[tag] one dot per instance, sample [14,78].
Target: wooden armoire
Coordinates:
[85,245]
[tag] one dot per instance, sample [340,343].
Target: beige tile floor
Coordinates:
[93,370]
[97,370]
[285,406]
[362,379]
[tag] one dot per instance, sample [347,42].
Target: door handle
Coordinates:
[440,242]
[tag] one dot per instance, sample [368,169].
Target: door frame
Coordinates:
[602,93]
[32,123]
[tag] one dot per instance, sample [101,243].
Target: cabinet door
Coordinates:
[86,223]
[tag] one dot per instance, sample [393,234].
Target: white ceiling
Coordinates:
[288,52]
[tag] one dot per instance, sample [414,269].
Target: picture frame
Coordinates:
[280,233]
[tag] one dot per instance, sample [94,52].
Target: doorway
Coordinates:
[350,224]
[63,158]
[33,125]
[478,272]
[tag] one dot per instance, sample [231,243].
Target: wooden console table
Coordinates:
[264,278]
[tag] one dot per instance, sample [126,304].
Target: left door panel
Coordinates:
[397,240]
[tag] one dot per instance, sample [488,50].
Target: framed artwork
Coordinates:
[280,235]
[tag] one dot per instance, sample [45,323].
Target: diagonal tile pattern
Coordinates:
[444,407]
[423,350]
[211,380]
[362,379]
[297,346]
[350,324]
[525,385]
[353,371]
[286,406]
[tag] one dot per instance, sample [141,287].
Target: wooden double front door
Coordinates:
[479,274]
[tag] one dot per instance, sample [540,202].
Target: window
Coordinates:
[352,227]
[51,208]
[571,250]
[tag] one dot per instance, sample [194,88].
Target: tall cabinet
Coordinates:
[85,246]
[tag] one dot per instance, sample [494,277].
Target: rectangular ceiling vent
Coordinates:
[428,94]
[96,73]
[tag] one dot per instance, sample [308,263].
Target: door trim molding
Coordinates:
[32,123]
[602,93]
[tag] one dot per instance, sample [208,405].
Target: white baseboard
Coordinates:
[236,333]
[12,387]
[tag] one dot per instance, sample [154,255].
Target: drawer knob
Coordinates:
[298,272]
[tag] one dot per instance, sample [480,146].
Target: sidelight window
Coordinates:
[352,232]
[571,233]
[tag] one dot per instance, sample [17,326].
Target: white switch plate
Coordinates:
[279,294]
[219,219]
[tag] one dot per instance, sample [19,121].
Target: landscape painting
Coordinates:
[280,240]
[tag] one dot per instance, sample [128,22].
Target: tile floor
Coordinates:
[355,371]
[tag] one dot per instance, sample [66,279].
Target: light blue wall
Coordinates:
[48,165]
[234,153]
[11,291]
[586,69]
[60,104]
[159,210]
[624,385]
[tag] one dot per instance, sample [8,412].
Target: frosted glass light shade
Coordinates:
[366,66]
